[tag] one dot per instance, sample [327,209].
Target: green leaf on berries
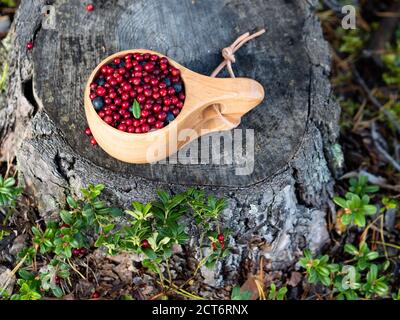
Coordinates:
[135,109]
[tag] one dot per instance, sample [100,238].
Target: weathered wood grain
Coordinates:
[279,209]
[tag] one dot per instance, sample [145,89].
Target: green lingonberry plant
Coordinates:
[151,229]
[319,269]
[154,228]
[347,281]
[391,59]
[237,294]
[361,187]
[29,287]
[8,195]
[355,209]
[275,294]
[60,241]
[8,192]
[356,203]
[363,255]
[396,296]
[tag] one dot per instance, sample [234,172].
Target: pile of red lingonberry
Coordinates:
[138,93]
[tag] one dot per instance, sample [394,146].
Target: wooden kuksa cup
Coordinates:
[212,104]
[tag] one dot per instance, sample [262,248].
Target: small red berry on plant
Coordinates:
[90,7]
[145,244]
[95,295]
[221,237]
[29,45]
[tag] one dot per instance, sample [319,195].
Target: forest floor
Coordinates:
[361,262]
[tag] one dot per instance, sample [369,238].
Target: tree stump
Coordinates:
[277,210]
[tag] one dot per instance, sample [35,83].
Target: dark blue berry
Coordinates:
[113,65]
[178,87]
[142,63]
[101,81]
[170,117]
[167,82]
[122,64]
[98,103]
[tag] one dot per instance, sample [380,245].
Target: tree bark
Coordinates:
[278,210]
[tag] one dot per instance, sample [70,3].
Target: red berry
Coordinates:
[64,225]
[175,72]
[57,280]
[82,251]
[122,127]
[29,45]
[88,132]
[145,244]
[108,119]
[125,105]
[104,69]
[159,124]
[148,67]
[221,237]
[93,141]
[175,111]
[101,91]
[162,116]
[76,252]
[126,87]
[145,128]
[141,98]
[90,7]
[95,295]
[167,101]
[151,120]
[156,95]
[157,108]
[163,92]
